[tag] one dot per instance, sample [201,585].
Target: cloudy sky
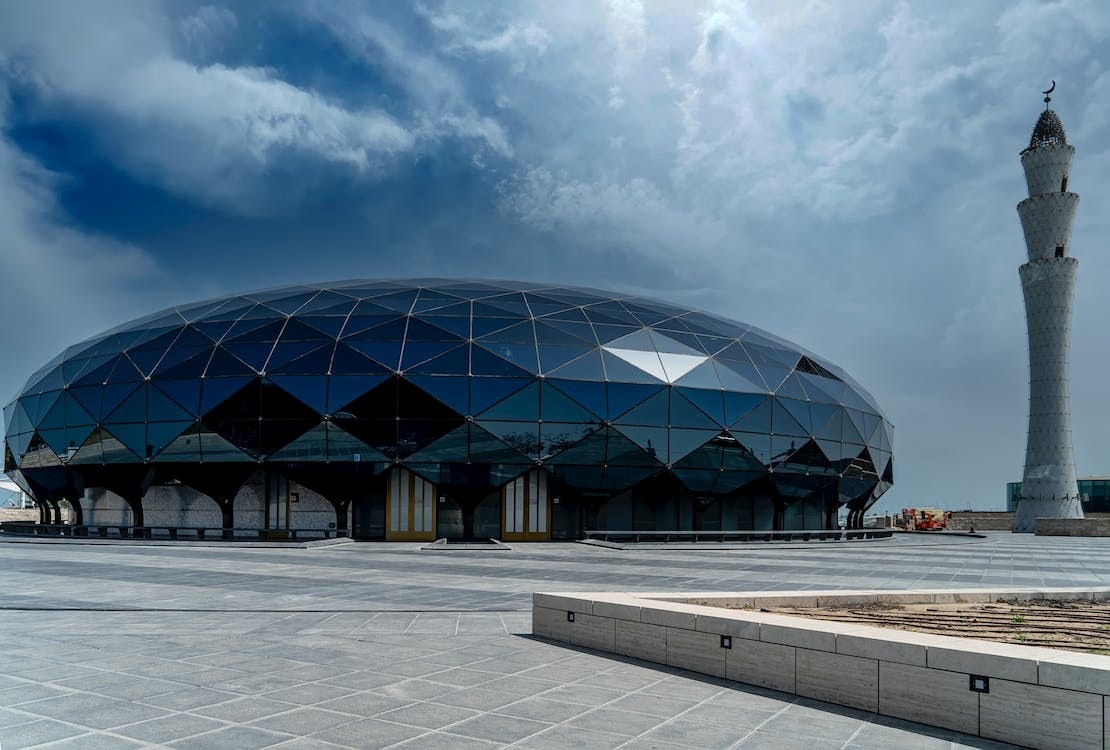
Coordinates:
[841,174]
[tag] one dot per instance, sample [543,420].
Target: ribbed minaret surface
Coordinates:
[1048,486]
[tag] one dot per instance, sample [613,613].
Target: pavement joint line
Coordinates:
[762,724]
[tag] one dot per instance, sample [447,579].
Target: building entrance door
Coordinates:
[526,509]
[278,499]
[412,507]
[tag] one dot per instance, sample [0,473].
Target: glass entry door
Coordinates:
[412,506]
[277,507]
[526,509]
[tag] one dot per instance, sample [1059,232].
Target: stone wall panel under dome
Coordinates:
[467,383]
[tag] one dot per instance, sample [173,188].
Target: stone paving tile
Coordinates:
[368,734]
[94,742]
[231,738]
[243,710]
[94,711]
[168,728]
[428,715]
[497,728]
[564,736]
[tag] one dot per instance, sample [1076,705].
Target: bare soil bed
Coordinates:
[1073,625]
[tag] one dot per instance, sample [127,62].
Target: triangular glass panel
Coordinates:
[400,301]
[161,434]
[739,404]
[771,356]
[784,423]
[853,399]
[742,378]
[685,441]
[608,330]
[254,354]
[453,447]
[87,396]
[654,411]
[799,410]
[638,340]
[456,308]
[791,388]
[193,366]
[214,448]
[312,446]
[161,408]
[418,330]
[391,326]
[311,390]
[459,325]
[554,357]
[774,377]
[387,353]
[185,393]
[343,446]
[222,364]
[631,445]
[587,367]
[486,391]
[522,405]
[487,449]
[851,434]
[579,330]
[543,305]
[343,389]
[328,325]
[557,407]
[860,423]
[47,402]
[702,376]
[523,437]
[685,414]
[557,437]
[548,334]
[451,390]
[624,365]
[285,352]
[214,329]
[484,324]
[125,372]
[262,329]
[834,451]
[624,396]
[522,355]
[327,303]
[346,361]
[665,344]
[217,390]
[512,303]
[98,375]
[316,361]
[89,452]
[590,394]
[484,363]
[417,353]
[833,428]
[755,419]
[756,443]
[132,436]
[132,409]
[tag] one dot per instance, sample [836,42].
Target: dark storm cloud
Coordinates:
[844,177]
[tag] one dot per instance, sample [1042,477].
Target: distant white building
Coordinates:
[11,496]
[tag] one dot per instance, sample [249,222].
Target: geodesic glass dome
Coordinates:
[461,383]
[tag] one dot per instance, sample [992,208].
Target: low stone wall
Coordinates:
[981,520]
[1026,695]
[1090,526]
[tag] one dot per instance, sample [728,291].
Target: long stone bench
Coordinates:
[1032,696]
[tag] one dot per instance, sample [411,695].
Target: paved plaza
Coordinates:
[380,645]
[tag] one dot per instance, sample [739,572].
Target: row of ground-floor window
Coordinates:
[403,506]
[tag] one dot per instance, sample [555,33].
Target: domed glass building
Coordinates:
[423,409]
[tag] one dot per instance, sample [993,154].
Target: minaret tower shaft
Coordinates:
[1048,281]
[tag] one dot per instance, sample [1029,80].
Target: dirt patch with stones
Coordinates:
[1073,625]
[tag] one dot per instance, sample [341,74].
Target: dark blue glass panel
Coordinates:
[484,363]
[579,330]
[741,378]
[685,414]
[131,409]
[454,447]
[184,392]
[180,354]
[328,325]
[418,330]
[570,315]
[590,395]
[311,390]
[756,419]
[521,334]
[125,372]
[791,388]
[852,433]
[254,354]
[296,330]
[161,408]
[387,353]
[523,437]
[683,442]
[346,361]
[453,391]
[624,396]
[393,330]
[853,399]
[774,377]
[654,411]
[416,352]
[758,444]
[487,321]
[223,364]
[557,407]
[55,418]
[46,402]
[89,452]
[607,332]
[488,449]
[286,352]
[769,356]
[587,367]
[709,401]
[399,301]
[557,437]
[215,330]
[193,367]
[522,405]
[49,381]
[554,357]
[217,390]
[342,446]
[799,413]
[453,309]
[76,414]
[18,444]
[542,305]
[98,375]
[484,392]
[511,303]
[833,428]
[588,477]
[334,304]
[133,437]
[414,434]
[214,448]
[360,324]
[55,440]
[557,335]
[458,325]
[648,448]
[145,360]
[615,312]
[254,329]
[161,434]
[589,452]
[89,398]
[343,389]
[454,362]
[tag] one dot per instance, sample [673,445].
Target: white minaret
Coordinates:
[1048,487]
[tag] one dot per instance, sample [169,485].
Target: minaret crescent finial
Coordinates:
[1048,91]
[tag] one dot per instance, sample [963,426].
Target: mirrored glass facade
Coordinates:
[640,413]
